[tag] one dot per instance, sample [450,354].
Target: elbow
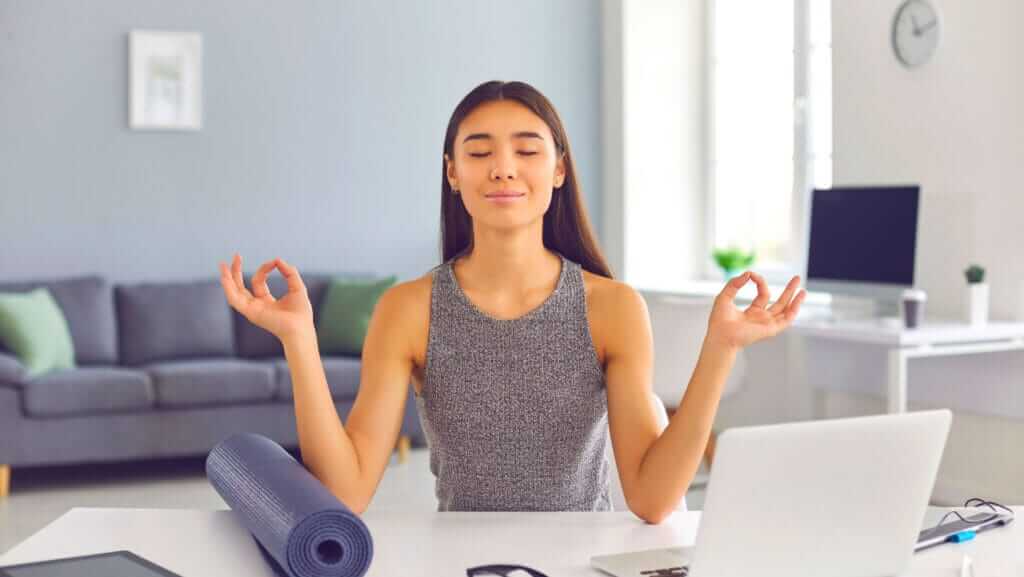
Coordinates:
[652,517]
[650,512]
[355,503]
[357,506]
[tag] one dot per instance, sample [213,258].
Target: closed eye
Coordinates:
[483,154]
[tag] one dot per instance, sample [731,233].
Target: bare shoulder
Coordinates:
[615,312]
[405,309]
[408,300]
[609,299]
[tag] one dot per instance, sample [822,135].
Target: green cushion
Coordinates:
[345,313]
[33,327]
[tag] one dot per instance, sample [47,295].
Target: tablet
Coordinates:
[112,564]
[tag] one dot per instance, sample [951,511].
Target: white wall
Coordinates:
[956,125]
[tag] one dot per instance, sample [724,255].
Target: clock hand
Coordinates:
[913,21]
[927,27]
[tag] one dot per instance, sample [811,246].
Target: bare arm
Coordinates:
[375,420]
[657,467]
[349,461]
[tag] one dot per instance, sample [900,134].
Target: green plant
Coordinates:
[975,274]
[731,260]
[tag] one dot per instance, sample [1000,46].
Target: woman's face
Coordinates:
[505,165]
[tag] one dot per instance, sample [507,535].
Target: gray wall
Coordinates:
[323,124]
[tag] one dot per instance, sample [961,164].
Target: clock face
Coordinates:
[915,32]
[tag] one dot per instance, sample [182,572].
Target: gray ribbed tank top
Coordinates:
[514,411]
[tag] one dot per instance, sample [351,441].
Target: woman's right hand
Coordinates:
[288,317]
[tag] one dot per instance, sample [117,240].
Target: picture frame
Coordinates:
[165,80]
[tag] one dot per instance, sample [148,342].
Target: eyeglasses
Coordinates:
[500,571]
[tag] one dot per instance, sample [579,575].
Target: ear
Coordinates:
[450,172]
[560,171]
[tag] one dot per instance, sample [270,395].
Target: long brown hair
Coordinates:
[566,226]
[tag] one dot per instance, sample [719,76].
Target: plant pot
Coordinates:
[976,303]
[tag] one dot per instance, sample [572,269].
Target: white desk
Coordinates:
[930,340]
[213,543]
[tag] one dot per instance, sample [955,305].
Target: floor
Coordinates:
[40,495]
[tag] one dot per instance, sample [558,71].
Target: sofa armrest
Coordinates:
[12,372]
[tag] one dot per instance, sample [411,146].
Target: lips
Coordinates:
[505,194]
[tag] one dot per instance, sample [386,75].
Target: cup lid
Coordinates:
[915,294]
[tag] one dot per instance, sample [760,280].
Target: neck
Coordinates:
[509,261]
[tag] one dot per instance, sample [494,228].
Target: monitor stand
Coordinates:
[845,308]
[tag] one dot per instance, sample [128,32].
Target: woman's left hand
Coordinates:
[737,328]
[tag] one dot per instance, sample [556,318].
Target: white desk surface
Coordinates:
[929,333]
[213,543]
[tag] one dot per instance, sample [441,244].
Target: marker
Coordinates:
[961,537]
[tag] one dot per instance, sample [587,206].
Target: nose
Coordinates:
[504,166]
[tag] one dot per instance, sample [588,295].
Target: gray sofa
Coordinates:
[164,370]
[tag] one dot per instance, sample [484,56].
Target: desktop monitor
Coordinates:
[862,241]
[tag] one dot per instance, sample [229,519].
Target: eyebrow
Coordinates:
[486,136]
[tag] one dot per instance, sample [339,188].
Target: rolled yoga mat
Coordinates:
[301,528]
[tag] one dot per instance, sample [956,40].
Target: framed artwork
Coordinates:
[166,80]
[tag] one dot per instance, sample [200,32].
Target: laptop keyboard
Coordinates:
[668,572]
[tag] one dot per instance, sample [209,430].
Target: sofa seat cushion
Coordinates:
[88,390]
[211,382]
[342,377]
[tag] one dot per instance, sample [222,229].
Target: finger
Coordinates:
[291,275]
[230,288]
[734,285]
[259,281]
[761,301]
[793,308]
[236,275]
[225,281]
[787,295]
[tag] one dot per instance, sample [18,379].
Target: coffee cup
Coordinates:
[912,307]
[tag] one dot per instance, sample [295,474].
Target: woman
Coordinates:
[520,346]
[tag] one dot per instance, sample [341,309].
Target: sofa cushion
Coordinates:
[34,328]
[342,377]
[255,343]
[211,382]
[170,321]
[346,311]
[88,390]
[88,305]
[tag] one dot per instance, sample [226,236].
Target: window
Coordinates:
[770,127]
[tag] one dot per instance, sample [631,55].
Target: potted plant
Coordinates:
[976,297]
[732,260]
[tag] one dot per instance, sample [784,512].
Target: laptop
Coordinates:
[829,498]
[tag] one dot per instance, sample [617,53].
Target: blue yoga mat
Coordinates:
[301,528]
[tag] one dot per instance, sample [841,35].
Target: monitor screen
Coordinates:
[863,235]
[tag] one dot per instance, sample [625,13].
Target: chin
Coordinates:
[509,221]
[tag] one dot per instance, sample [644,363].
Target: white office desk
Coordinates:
[930,340]
[214,543]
